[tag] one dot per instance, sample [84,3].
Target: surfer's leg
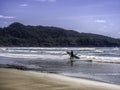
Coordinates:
[71,63]
[68,62]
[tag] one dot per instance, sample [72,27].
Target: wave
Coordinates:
[111,55]
[35,56]
[101,59]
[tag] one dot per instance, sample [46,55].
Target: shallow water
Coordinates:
[54,60]
[95,54]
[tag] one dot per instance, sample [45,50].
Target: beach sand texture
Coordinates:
[11,79]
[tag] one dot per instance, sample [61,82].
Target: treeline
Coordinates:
[18,34]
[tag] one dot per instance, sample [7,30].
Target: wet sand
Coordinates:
[12,79]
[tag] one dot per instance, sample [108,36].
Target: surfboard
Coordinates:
[74,56]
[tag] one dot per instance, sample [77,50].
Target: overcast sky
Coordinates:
[91,16]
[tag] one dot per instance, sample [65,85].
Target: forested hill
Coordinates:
[18,34]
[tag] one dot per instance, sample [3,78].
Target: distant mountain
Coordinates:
[18,34]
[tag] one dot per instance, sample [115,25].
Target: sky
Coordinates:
[89,16]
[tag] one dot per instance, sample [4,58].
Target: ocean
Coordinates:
[95,63]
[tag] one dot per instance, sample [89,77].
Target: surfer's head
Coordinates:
[71,51]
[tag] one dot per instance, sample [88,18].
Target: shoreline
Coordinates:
[14,79]
[85,70]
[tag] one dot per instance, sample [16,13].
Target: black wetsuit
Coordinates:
[71,57]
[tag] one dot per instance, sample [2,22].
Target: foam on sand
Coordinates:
[11,79]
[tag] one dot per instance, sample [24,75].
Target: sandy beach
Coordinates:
[11,79]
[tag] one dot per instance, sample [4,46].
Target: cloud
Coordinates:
[7,17]
[100,21]
[118,32]
[46,0]
[52,0]
[41,0]
[24,5]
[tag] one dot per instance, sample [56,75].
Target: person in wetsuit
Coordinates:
[71,58]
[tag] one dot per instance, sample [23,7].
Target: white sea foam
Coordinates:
[100,58]
[106,74]
[94,54]
[35,56]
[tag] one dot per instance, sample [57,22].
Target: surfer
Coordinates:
[72,56]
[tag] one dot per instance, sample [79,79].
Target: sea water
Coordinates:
[96,63]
